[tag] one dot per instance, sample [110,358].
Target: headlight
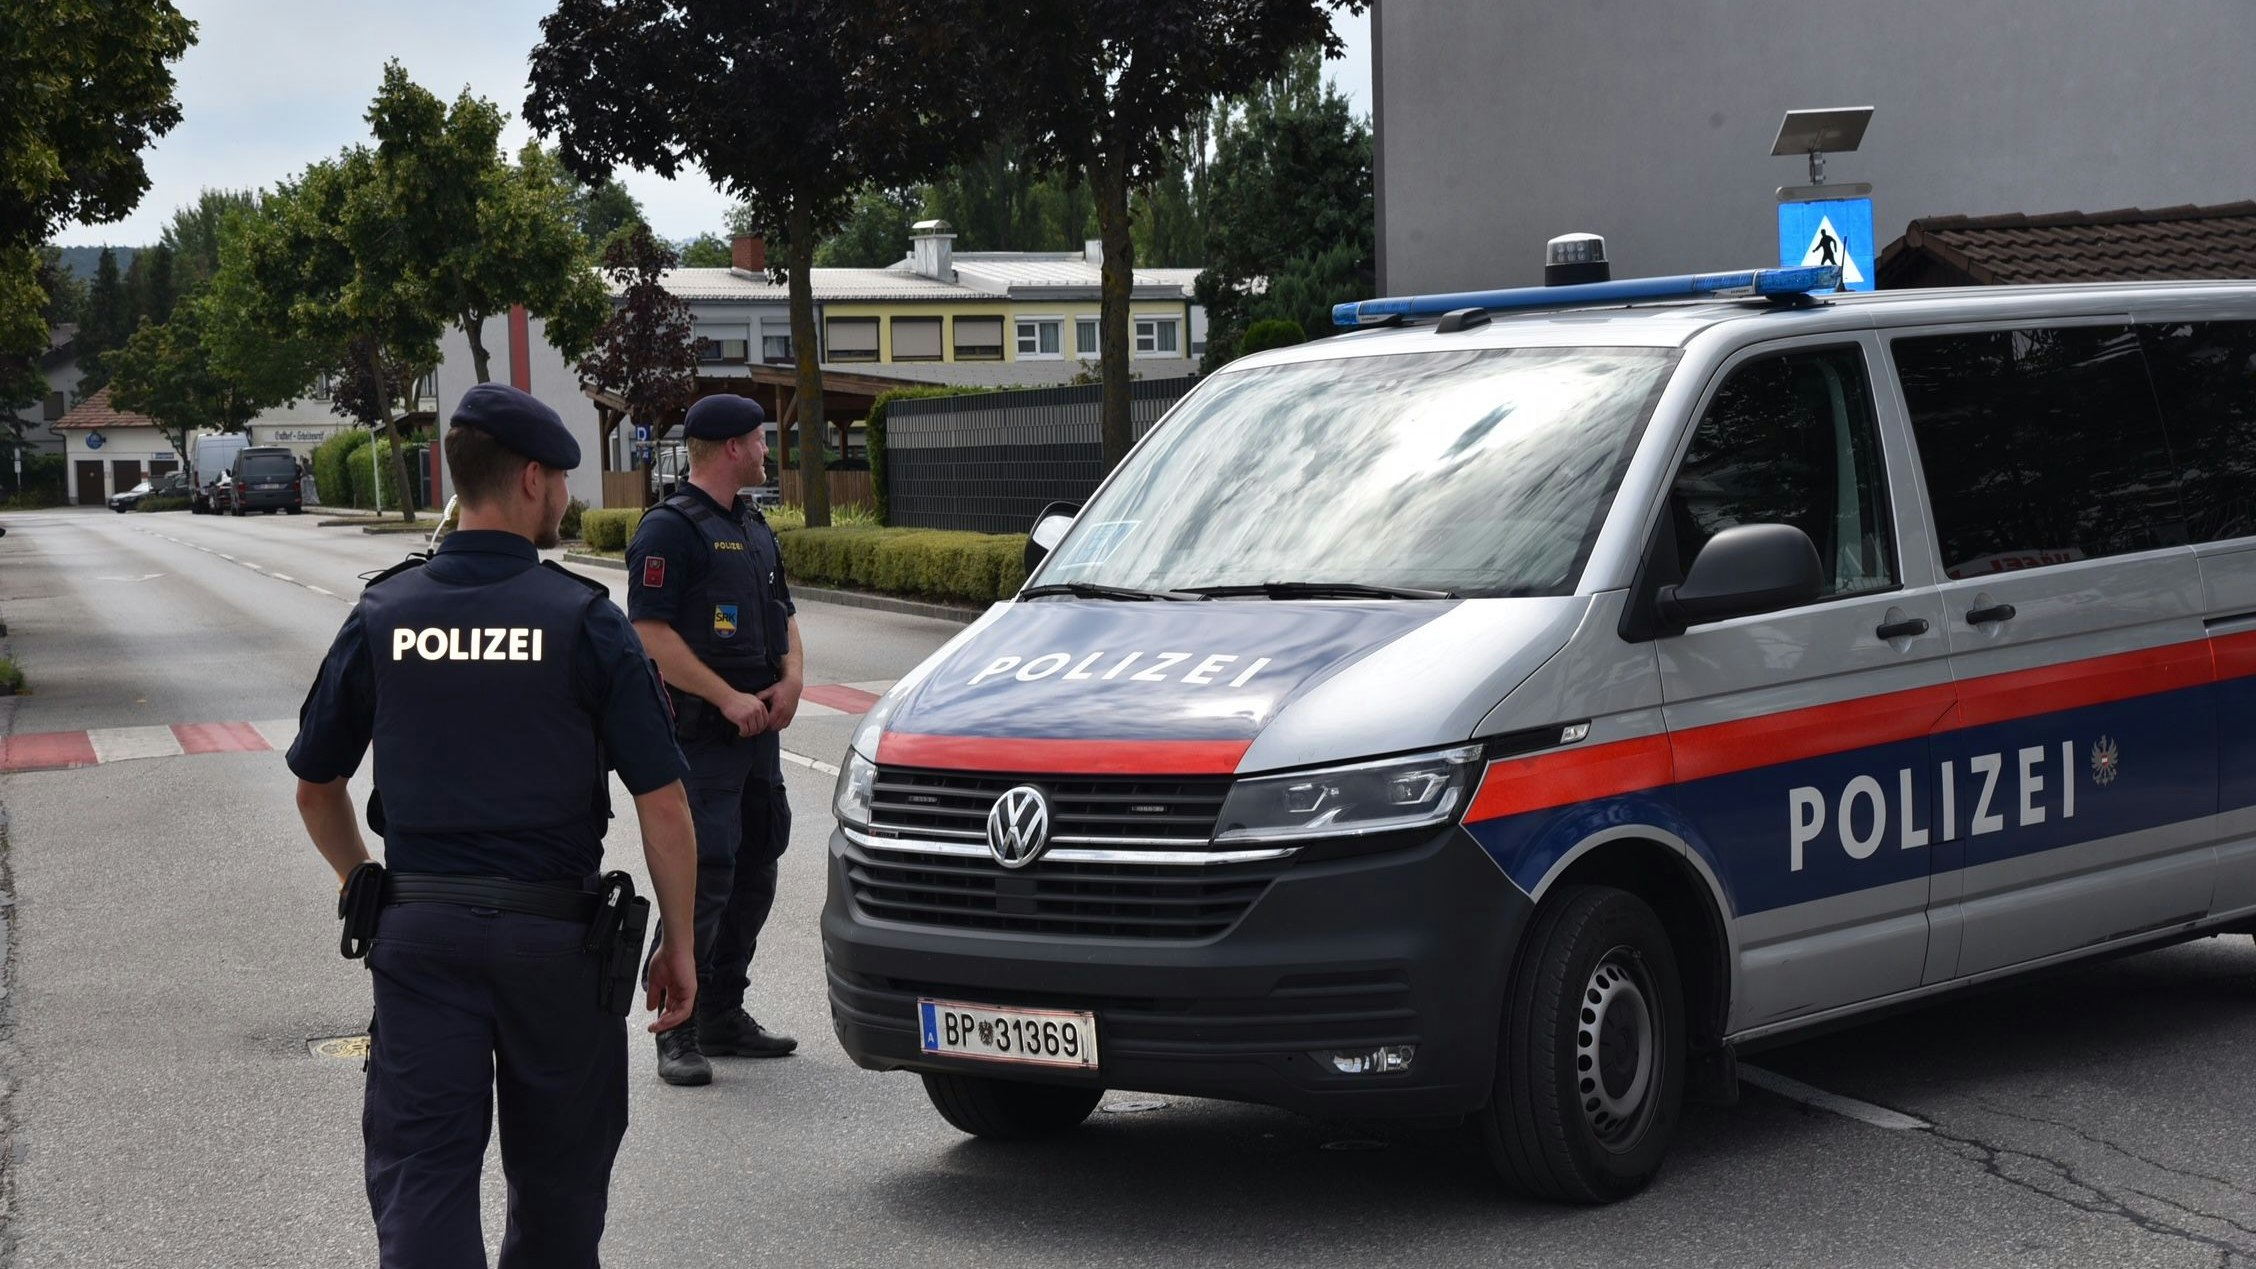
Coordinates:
[857,778]
[1369,797]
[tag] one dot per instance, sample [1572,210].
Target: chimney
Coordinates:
[1092,251]
[749,253]
[931,252]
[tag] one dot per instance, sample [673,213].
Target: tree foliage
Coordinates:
[999,201]
[195,233]
[1290,225]
[173,372]
[646,352]
[876,232]
[705,251]
[85,87]
[110,319]
[791,106]
[1118,85]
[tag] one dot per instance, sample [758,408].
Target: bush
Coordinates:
[569,527]
[161,504]
[932,563]
[11,678]
[1274,332]
[332,483]
[366,483]
[873,437]
[609,529]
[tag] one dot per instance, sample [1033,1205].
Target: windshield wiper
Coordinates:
[1322,590]
[1094,590]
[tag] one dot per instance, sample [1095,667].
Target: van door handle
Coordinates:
[1909,628]
[1984,616]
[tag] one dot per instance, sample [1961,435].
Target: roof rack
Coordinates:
[1789,285]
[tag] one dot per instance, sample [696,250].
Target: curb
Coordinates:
[961,614]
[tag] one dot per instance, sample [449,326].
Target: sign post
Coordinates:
[1821,224]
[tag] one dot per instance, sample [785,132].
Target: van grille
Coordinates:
[1108,900]
[1121,812]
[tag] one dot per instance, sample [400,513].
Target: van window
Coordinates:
[2040,446]
[1481,472]
[2205,378]
[267,467]
[1791,440]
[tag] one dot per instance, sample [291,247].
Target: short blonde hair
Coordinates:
[703,451]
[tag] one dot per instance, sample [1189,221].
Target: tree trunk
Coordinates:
[475,329]
[1110,185]
[391,433]
[814,487]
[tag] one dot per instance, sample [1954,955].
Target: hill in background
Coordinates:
[82,261]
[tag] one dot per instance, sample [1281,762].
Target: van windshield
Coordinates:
[1480,473]
[267,467]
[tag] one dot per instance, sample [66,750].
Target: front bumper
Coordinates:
[262,499]
[1404,946]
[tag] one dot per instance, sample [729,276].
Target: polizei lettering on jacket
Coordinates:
[1987,793]
[479,643]
[1194,668]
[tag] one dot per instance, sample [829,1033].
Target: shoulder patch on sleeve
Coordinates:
[654,572]
[589,582]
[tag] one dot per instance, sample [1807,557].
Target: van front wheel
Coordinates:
[1590,1066]
[1006,1110]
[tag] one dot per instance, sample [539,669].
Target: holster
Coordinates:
[615,937]
[359,904]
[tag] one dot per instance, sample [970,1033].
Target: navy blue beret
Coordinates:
[520,422]
[720,417]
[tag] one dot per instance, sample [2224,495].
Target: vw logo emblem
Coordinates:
[1018,827]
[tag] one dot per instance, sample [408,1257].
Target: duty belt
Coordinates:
[498,893]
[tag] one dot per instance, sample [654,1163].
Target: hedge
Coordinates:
[332,487]
[932,563]
[609,529]
[873,437]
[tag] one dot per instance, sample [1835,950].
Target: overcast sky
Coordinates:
[272,85]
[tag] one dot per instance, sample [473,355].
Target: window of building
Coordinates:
[1085,337]
[916,339]
[979,339]
[1791,440]
[1038,338]
[721,351]
[1155,337]
[2205,378]
[775,339]
[2040,446]
[851,338]
[55,407]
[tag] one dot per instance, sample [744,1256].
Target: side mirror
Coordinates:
[1746,569]
[1049,529]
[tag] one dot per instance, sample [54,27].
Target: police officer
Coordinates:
[707,594]
[496,691]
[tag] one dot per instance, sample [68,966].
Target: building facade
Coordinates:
[1651,121]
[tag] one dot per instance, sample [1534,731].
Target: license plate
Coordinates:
[991,1033]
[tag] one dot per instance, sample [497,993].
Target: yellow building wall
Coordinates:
[1065,311]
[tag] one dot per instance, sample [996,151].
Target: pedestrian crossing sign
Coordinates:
[1836,231]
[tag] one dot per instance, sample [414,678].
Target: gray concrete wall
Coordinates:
[1504,122]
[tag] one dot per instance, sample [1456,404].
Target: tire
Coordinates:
[296,511]
[1007,1110]
[1596,986]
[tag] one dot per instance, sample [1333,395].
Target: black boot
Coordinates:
[735,1034]
[680,1059]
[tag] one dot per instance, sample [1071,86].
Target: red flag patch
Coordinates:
[654,572]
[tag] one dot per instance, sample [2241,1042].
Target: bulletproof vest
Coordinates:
[479,723]
[730,616]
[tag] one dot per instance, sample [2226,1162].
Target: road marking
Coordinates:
[220,738]
[145,577]
[47,751]
[225,556]
[1847,1107]
[840,697]
[318,591]
[804,761]
[280,733]
[282,577]
[118,744]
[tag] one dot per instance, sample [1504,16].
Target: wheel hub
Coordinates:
[1615,1048]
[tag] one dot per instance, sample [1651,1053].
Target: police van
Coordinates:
[1512,711]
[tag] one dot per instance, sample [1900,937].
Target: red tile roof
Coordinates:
[2114,246]
[96,411]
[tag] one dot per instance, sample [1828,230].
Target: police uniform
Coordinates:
[715,574]
[496,691]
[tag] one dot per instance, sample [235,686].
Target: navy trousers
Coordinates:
[743,821]
[477,1009]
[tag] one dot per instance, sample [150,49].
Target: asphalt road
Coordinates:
[174,956]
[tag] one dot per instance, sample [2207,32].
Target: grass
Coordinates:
[11,678]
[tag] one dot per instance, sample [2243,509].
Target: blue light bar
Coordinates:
[1762,282]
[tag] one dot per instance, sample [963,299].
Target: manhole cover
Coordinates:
[1135,1106]
[345,1048]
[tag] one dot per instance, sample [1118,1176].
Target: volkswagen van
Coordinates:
[1510,713]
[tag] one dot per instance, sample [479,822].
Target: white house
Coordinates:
[109,450]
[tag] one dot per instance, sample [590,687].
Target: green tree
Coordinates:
[467,235]
[876,232]
[171,373]
[706,251]
[1117,86]
[1291,229]
[22,381]
[85,87]
[195,232]
[110,320]
[604,209]
[150,281]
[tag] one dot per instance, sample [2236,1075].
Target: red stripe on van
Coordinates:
[1062,757]
[1544,780]
[2236,655]
[2001,698]
[1745,744]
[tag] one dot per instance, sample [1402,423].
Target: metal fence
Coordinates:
[990,462]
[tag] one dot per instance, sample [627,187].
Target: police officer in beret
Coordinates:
[496,692]
[706,591]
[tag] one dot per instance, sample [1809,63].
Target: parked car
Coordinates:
[264,478]
[171,484]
